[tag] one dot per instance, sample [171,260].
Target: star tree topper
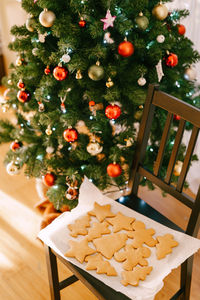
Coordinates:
[108,20]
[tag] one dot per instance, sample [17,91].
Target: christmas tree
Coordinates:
[79,85]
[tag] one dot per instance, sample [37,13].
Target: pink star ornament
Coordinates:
[108,20]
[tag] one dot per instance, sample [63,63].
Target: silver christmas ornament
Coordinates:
[94,148]
[47,18]
[160,38]
[141,81]
[12,168]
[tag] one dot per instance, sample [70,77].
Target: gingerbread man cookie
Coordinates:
[141,235]
[131,257]
[79,250]
[133,277]
[79,226]
[101,211]
[120,222]
[96,262]
[165,245]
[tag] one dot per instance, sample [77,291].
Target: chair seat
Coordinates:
[142,207]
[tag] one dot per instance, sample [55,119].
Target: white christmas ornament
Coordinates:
[35,51]
[159,70]
[66,58]
[12,169]
[41,37]
[160,38]
[142,81]
[107,38]
[94,148]
[49,150]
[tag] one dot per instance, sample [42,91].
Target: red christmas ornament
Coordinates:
[126,49]
[21,85]
[47,70]
[181,29]
[23,96]
[60,73]
[70,135]
[91,103]
[112,112]
[177,117]
[171,60]
[49,179]
[114,170]
[82,23]
[15,145]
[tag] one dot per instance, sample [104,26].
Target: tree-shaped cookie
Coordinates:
[131,257]
[133,277]
[101,211]
[141,235]
[165,245]
[107,245]
[97,230]
[96,262]
[120,222]
[79,250]
[79,226]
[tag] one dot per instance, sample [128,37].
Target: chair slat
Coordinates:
[161,151]
[175,149]
[187,159]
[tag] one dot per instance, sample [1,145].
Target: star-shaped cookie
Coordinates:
[79,226]
[79,250]
[97,230]
[96,262]
[101,211]
[107,245]
[120,222]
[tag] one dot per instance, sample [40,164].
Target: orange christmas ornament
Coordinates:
[49,179]
[114,170]
[181,29]
[70,135]
[126,49]
[60,73]
[113,112]
[23,96]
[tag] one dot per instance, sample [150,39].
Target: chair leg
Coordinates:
[52,274]
[186,276]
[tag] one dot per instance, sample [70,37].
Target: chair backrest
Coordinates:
[187,113]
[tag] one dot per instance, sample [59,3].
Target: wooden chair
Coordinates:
[173,106]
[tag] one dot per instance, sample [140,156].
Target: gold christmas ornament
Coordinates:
[138,115]
[18,61]
[160,12]
[79,75]
[48,131]
[141,81]
[29,24]
[190,74]
[142,21]
[177,168]
[109,83]
[129,142]
[96,72]
[47,18]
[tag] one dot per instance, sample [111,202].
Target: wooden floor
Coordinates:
[23,274]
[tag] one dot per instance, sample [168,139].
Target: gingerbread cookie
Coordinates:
[107,245]
[101,211]
[79,226]
[120,222]
[97,230]
[96,262]
[132,257]
[141,235]
[79,250]
[165,245]
[133,277]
